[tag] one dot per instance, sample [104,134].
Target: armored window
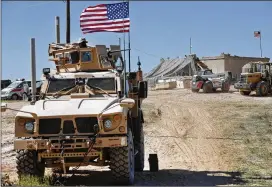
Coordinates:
[103,83]
[60,84]
[74,56]
[86,56]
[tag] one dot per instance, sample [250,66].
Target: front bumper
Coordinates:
[73,143]
[244,86]
[5,97]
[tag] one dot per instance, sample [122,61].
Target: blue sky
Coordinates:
[158,29]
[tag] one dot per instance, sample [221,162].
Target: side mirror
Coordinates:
[129,103]
[142,89]
[3,107]
[46,71]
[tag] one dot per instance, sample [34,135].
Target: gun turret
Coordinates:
[78,57]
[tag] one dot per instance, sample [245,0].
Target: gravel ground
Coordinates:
[192,133]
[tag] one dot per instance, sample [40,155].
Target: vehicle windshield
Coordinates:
[107,84]
[14,84]
[59,84]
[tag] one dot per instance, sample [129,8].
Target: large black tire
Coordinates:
[139,142]
[262,89]
[27,163]
[14,97]
[207,87]
[244,92]
[122,163]
[225,87]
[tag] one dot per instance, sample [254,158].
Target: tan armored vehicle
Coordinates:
[89,113]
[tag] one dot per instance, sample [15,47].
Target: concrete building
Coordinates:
[227,62]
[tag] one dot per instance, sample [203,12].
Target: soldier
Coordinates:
[82,43]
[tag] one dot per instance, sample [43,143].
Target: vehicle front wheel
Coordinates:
[14,97]
[139,142]
[262,89]
[27,163]
[122,162]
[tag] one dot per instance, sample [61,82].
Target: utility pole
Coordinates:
[67,21]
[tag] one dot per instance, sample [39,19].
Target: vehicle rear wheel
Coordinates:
[139,142]
[14,97]
[244,92]
[262,89]
[207,87]
[122,162]
[27,163]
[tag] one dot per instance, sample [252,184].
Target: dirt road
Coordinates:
[200,139]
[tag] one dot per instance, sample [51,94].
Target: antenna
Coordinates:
[67,21]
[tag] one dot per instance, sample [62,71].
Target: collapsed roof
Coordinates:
[175,67]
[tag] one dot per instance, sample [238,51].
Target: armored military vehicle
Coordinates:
[88,113]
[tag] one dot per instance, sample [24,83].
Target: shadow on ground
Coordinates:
[160,178]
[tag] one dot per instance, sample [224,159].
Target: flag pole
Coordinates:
[261,44]
[128,45]
[124,55]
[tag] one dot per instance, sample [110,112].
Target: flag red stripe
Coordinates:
[85,16]
[106,28]
[108,23]
[95,10]
[89,20]
[105,31]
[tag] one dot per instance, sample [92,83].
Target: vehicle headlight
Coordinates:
[107,124]
[29,126]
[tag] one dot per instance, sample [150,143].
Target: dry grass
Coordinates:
[252,123]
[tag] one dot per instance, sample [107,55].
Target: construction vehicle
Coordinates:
[210,82]
[88,113]
[255,76]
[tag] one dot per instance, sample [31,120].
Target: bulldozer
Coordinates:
[255,76]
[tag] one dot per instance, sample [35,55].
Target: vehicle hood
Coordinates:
[45,108]
[6,89]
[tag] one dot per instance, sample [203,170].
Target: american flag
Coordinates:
[257,34]
[105,18]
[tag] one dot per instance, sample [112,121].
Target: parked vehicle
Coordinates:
[210,82]
[18,89]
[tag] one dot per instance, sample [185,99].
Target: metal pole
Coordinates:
[57,29]
[190,66]
[190,45]
[67,21]
[261,44]
[129,51]
[33,69]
